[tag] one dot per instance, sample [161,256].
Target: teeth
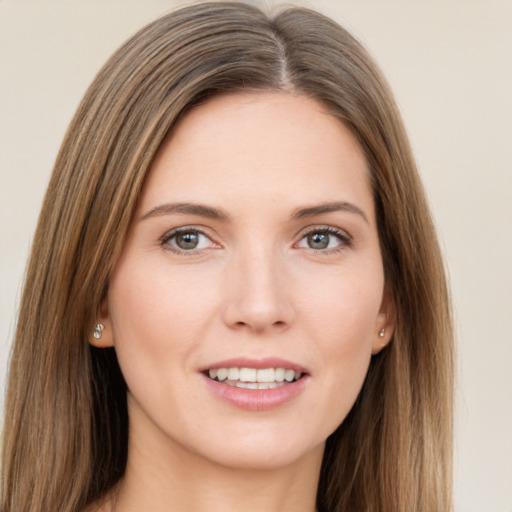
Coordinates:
[247,374]
[251,378]
[233,373]
[222,373]
[267,385]
[266,375]
[289,375]
[252,385]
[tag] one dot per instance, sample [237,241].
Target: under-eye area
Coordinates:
[252,378]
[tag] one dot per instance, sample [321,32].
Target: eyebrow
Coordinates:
[188,209]
[210,212]
[312,211]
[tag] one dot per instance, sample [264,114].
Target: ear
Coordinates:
[101,335]
[385,324]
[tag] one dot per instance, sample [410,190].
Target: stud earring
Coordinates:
[381,332]
[97,331]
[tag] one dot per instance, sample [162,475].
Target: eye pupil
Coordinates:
[187,240]
[318,240]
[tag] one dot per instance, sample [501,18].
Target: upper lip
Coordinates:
[245,362]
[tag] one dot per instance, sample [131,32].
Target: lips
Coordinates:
[256,384]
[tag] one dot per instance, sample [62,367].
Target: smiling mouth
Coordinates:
[252,378]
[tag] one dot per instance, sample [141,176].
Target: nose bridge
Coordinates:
[257,294]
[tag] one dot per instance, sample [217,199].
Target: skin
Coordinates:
[253,287]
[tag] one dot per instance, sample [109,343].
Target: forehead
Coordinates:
[265,144]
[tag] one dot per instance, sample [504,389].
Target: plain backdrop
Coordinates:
[450,65]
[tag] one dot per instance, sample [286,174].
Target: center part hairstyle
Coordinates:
[66,424]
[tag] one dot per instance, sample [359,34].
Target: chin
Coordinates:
[257,447]
[266,457]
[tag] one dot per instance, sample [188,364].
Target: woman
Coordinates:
[235,296]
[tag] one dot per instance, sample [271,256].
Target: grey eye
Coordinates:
[318,240]
[324,239]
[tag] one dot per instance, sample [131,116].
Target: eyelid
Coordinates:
[324,227]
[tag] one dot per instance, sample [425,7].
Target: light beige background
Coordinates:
[450,64]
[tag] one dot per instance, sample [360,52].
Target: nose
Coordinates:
[258,296]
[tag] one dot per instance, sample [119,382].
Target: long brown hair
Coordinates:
[65,438]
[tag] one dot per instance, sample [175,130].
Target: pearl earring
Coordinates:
[381,333]
[97,331]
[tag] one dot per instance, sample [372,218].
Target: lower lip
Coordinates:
[257,399]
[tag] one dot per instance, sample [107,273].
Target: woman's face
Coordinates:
[254,245]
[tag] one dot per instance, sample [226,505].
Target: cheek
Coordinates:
[345,342]
[342,321]
[157,316]
[344,306]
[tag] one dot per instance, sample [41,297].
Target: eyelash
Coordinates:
[344,239]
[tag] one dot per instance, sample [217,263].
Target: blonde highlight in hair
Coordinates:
[66,424]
